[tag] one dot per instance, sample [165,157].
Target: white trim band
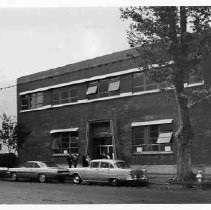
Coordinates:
[154,122]
[82,81]
[64,130]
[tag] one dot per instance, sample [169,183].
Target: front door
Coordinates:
[101,146]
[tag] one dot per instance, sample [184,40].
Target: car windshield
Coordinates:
[122,165]
[50,164]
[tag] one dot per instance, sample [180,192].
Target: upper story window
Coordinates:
[152,138]
[103,88]
[142,83]
[62,96]
[32,101]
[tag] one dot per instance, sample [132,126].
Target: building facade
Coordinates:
[107,105]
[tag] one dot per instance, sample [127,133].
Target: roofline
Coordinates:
[81,65]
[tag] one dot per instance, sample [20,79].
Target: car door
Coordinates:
[35,170]
[103,172]
[25,170]
[92,171]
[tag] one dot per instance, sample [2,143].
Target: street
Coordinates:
[25,192]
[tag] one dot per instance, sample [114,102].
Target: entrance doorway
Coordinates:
[102,146]
[100,140]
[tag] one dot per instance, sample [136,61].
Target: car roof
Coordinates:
[107,160]
[38,161]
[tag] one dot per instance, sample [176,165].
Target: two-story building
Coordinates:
[107,104]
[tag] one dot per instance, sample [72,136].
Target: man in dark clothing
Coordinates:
[75,159]
[69,161]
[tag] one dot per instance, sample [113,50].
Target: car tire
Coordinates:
[114,182]
[76,179]
[42,178]
[14,177]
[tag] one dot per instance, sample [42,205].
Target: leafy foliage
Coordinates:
[172,43]
[178,34]
[12,134]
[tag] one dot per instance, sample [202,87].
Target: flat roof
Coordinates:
[90,63]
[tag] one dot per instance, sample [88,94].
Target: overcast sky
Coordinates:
[37,35]
[37,39]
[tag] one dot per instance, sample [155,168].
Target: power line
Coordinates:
[7,87]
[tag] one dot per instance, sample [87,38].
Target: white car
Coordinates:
[39,170]
[108,170]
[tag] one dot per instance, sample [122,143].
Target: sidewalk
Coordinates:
[163,180]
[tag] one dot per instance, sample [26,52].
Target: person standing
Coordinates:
[75,159]
[69,161]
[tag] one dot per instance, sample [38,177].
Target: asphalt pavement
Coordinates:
[25,192]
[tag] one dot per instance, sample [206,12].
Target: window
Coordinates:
[114,86]
[94,164]
[73,94]
[55,98]
[0,146]
[40,99]
[65,141]
[138,82]
[92,88]
[103,88]
[104,165]
[63,96]
[152,138]
[143,83]
[32,101]
[28,165]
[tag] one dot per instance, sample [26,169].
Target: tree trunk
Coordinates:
[183,135]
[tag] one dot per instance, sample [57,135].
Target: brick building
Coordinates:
[107,104]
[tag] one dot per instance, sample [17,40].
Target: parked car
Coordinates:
[108,170]
[39,170]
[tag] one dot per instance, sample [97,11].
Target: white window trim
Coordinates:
[83,80]
[64,130]
[154,122]
[122,95]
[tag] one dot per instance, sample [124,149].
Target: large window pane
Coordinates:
[32,101]
[64,97]
[24,102]
[40,99]
[56,98]
[73,94]
[114,84]
[138,82]
[92,88]
[103,88]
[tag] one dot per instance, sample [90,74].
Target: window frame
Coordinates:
[145,86]
[148,146]
[60,137]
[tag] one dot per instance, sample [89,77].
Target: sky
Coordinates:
[37,35]
[38,39]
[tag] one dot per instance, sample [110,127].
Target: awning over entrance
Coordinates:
[164,138]
[64,130]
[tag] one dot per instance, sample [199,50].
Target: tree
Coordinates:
[172,43]
[13,135]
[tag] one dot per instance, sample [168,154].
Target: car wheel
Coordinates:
[114,182]
[76,179]
[42,178]
[14,177]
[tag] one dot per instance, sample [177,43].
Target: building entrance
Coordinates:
[100,140]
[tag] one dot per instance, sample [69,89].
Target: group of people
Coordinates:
[73,159]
